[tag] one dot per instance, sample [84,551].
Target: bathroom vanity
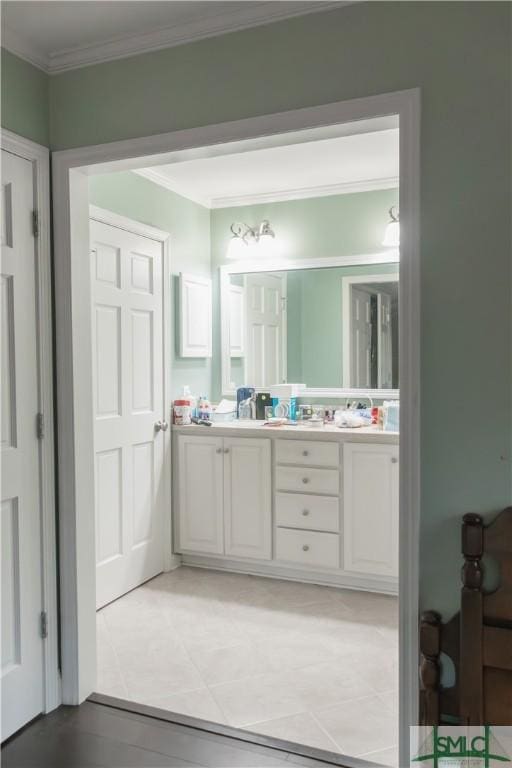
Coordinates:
[313,504]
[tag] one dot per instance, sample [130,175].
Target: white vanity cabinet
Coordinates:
[370,506]
[224,495]
[316,505]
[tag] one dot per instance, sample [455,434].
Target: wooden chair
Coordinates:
[478,639]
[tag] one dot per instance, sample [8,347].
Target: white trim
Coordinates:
[241,267]
[130,225]
[304,193]
[39,157]
[346,315]
[157,176]
[387,585]
[165,37]
[70,204]
[105,216]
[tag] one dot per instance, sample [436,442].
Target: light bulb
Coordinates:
[392,235]
[237,249]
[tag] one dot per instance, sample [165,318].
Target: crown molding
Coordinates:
[21,48]
[300,193]
[303,193]
[157,177]
[242,17]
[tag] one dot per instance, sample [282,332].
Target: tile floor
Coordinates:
[310,664]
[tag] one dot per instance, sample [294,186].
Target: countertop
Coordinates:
[256,428]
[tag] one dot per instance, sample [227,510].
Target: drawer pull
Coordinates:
[305,547]
[394,460]
[305,453]
[218,450]
[305,480]
[305,512]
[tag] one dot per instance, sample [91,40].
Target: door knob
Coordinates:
[305,480]
[161,426]
[305,512]
[394,460]
[305,453]
[305,547]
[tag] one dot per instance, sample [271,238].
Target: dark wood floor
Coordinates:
[97,735]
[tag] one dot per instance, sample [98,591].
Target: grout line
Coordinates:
[324,730]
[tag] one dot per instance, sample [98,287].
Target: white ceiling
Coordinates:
[56,35]
[353,163]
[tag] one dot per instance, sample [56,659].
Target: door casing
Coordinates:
[76,472]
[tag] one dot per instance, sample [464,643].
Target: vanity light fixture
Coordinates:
[392,233]
[245,239]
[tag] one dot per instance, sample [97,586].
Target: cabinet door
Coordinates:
[371,509]
[195,316]
[247,497]
[200,493]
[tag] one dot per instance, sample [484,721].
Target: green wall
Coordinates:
[25,94]
[458,54]
[321,227]
[189,226]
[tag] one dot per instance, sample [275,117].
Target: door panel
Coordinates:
[264,329]
[22,646]
[126,276]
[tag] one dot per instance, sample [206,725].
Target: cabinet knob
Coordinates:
[305,512]
[394,460]
[218,450]
[305,480]
[305,547]
[226,450]
[305,453]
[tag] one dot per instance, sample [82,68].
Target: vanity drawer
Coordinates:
[325,481]
[311,453]
[308,547]
[299,510]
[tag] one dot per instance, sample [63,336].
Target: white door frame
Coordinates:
[346,315]
[76,471]
[104,216]
[38,156]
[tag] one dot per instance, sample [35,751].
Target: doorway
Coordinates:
[78,678]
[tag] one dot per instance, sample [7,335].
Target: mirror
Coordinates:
[334,327]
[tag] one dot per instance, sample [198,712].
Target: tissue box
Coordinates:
[225,411]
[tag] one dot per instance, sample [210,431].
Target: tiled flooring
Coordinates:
[300,662]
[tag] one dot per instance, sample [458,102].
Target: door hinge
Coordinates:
[35,223]
[43,624]
[40,426]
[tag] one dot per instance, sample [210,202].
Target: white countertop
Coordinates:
[256,428]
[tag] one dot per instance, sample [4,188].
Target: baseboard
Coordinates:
[384,585]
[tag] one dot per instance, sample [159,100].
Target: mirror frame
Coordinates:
[241,267]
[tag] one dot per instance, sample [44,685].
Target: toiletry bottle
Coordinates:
[187,395]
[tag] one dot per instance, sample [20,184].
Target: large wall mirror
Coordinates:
[329,324]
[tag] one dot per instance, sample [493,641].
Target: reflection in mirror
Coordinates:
[327,327]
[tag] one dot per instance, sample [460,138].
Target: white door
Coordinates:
[264,329]
[247,500]
[384,342]
[360,339]
[22,645]
[370,509]
[128,358]
[200,462]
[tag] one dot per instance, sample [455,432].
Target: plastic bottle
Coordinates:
[187,395]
